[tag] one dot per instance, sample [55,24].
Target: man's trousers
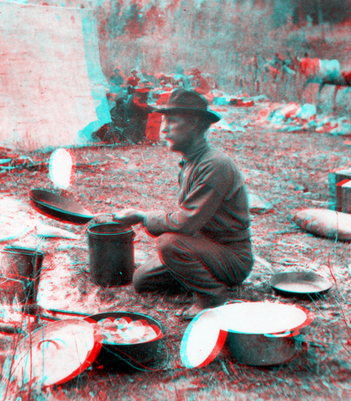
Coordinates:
[197,263]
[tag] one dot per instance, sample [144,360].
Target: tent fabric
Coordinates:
[51,83]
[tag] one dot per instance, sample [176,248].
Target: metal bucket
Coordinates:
[20,274]
[111,254]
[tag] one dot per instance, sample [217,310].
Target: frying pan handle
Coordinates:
[286,334]
[102,214]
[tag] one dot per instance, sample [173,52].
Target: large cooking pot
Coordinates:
[125,356]
[262,333]
[255,333]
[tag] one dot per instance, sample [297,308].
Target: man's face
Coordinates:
[177,130]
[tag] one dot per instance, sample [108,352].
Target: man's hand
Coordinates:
[129,216]
[105,218]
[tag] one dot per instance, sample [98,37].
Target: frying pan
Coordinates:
[300,283]
[61,208]
[296,283]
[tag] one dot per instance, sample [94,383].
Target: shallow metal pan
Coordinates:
[300,283]
[60,207]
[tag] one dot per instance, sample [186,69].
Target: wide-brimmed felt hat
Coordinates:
[185,102]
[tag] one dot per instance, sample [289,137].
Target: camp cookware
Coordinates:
[124,356]
[111,254]
[255,333]
[20,273]
[61,350]
[300,283]
[297,283]
[262,333]
[60,207]
[119,356]
[60,167]
[54,354]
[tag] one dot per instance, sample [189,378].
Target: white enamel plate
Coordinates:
[60,169]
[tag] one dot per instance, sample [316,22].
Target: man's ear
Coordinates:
[195,121]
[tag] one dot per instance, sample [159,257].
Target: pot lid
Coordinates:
[55,353]
[263,317]
[202,340]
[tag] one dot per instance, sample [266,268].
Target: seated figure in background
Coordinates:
[132,81]
[129,117]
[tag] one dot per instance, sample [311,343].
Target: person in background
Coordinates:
[201,84]
[133,81]
[116,85]
[116,79]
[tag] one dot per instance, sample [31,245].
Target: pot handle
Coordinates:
[233,302]
[286,334]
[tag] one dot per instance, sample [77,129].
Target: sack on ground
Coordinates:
[324,222]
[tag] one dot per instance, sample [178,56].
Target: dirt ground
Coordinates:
[290,170]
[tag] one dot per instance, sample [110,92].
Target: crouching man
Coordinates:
[204,244]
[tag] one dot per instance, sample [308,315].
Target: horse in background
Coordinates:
[323,72]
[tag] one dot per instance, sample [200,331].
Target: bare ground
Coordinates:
[290,171]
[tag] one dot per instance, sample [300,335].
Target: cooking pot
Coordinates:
[255,333]
[126,356]
[111,254]
[20,270]
[262,333]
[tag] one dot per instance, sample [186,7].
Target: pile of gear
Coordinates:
[136,97]
[293,117]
